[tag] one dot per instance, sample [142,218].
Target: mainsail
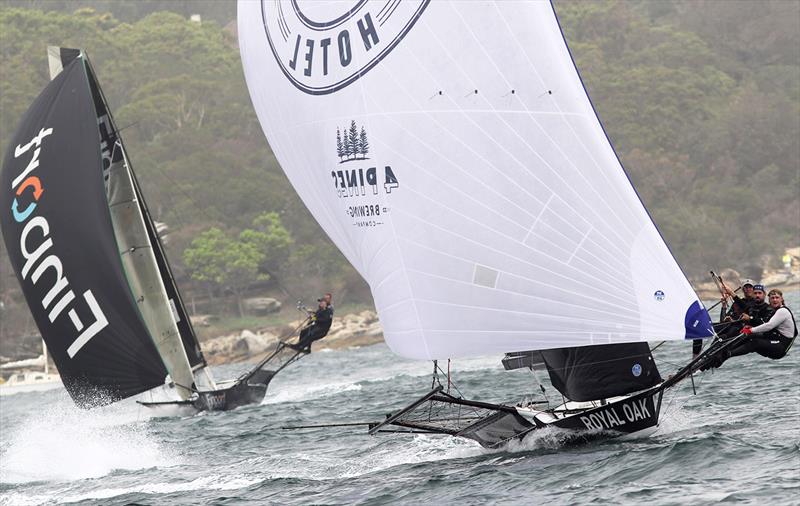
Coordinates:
[451,152]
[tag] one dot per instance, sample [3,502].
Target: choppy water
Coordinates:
[738,440]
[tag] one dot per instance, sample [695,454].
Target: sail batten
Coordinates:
[465,174]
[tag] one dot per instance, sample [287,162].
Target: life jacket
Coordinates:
[759,313]
[776,337]
[791,339]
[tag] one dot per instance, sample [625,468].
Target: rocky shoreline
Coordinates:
[783,281]
[357,329]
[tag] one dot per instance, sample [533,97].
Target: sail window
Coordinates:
[485,276]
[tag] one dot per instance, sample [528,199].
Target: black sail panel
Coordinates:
[58,233]
[590,373]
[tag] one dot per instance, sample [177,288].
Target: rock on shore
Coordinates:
[358,329]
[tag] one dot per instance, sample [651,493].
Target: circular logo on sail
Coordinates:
[322,47]
[636,370]
[659,295]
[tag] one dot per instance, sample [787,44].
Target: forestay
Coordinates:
[450,151]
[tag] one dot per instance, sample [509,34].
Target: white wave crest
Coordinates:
[64,443]
[286,393]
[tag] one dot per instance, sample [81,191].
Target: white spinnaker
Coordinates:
[512,225]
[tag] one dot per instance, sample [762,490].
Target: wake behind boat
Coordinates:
[91,264]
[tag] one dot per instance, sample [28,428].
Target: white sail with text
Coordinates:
[450,150]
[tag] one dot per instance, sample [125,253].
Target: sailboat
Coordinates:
[91,264]
[452,153]
[31,379]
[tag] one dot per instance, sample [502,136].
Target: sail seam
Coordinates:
[611,229]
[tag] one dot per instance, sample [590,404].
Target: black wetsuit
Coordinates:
[771,344]
[739,306]
[759,312]
[729,329]
[323,318]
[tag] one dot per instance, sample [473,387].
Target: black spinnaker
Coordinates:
[58,233]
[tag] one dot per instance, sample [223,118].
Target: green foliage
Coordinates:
[702,102]
[219,259]
[271,238]
[231,264]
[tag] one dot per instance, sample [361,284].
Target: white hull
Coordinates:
[31,382]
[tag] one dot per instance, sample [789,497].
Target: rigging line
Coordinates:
[674,396]
[120,129]
[611,229]
[454,384]
[654,348]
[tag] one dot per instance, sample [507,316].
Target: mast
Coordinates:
[188,336]
[57,57]
[139,246]
[44,354]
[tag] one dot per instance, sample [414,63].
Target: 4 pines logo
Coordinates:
[351,181]
[322,47]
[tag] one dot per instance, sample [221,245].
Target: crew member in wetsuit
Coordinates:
[771,339]
[320,324]
[758,311]
[739,306]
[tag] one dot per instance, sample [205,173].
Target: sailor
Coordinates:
[329,299]
[757,311]
[320,324]
[771,339]
[739,305]
[735,315]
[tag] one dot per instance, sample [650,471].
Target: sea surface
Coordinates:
[736,441]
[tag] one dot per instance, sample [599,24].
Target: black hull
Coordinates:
[250,388]
[493,425]
[249,391]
